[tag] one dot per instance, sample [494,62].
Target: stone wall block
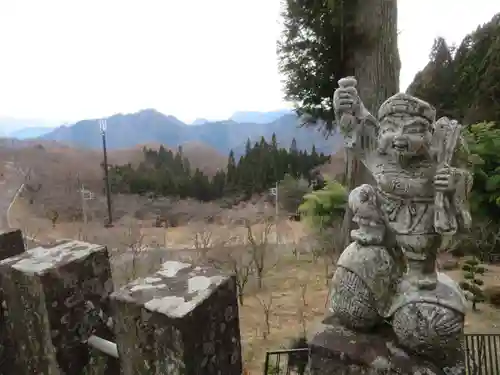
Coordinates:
[11,244]
[55,299]
[183,319]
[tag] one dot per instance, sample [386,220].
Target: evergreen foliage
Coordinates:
[464,82]
[484,144]
[472,283]
[291,193]
[321,208]
[165,173]
[325,40]
[314,54]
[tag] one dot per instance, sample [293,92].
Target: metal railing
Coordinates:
[286,362]
[482,357]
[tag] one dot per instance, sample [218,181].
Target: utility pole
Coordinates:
[84,205]
[274,191]
[276,201]
[82,198]
[85,195]
[102,126]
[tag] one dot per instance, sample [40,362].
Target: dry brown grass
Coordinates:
[283,286]
[487,319]
[192,216]
[285,282]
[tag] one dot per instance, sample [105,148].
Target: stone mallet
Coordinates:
[347,120]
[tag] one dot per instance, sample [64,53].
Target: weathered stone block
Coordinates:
[181,320]
[51,295]
[11,244]
[102,364]
[337,350]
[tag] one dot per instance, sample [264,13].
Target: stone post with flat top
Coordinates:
[50,297]
[183,319]
[11,244]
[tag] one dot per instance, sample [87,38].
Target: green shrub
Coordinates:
[472,283]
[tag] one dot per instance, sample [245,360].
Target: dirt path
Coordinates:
[10,181]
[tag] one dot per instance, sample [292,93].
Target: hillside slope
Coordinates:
[200,156]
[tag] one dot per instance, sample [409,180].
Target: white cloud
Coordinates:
[69,59]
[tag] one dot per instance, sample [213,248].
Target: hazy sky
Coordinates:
[74,59]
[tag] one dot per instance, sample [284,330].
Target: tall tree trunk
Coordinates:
[376,66]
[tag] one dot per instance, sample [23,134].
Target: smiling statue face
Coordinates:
[405,136]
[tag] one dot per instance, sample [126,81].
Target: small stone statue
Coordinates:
[367,275]
[389,273]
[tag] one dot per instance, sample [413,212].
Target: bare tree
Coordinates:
[81,234]
[53,215]
[203,241]
[238,263]
[328,247]
[267,305]
[258,241]
[133,244]
[302,305]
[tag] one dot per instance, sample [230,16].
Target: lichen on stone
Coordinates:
[41,259]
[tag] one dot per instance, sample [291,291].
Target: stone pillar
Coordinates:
[102,364]
[51,295]
[338,350]
[11,244]
[181,320]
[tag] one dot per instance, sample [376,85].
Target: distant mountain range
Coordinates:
[151,126]
[199,121]
[29,133]
[25,128]
[146,126]
[259,117]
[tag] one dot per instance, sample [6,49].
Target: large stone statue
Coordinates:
[388,275]
[419,167]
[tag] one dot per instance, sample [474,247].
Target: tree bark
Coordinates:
[376,66]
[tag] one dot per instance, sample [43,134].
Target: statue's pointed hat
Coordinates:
[404,104]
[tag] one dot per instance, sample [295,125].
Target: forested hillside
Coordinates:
[166,173]
[463,82]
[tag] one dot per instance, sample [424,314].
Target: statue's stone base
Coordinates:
[337,350]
